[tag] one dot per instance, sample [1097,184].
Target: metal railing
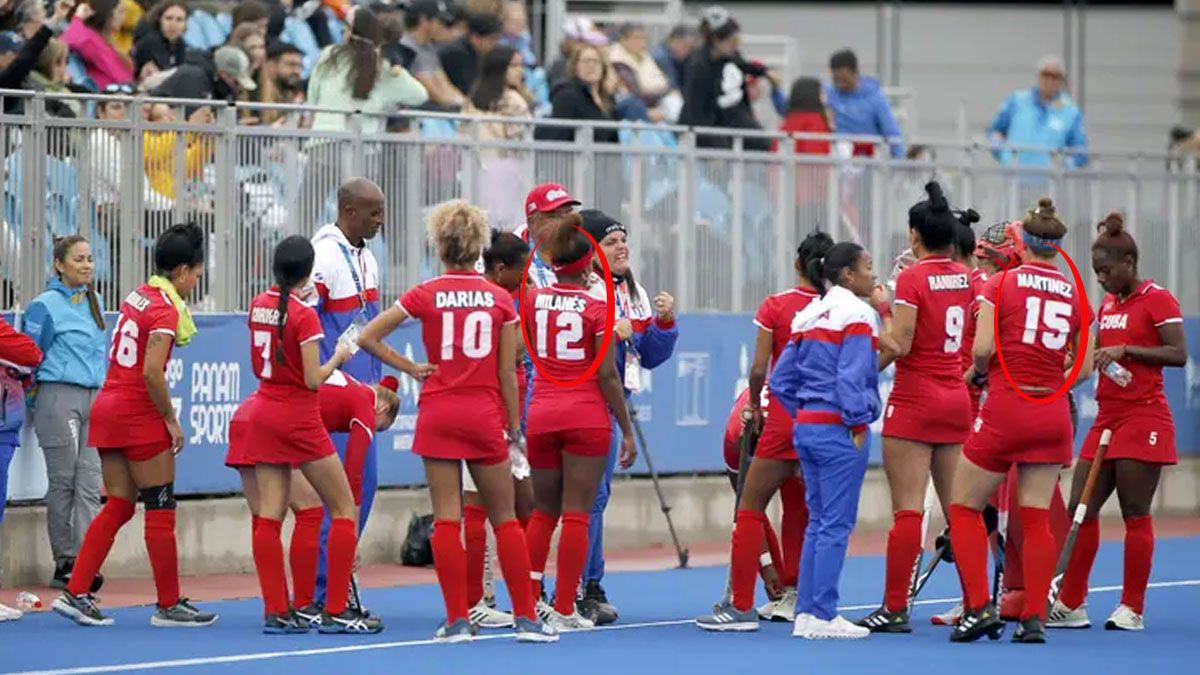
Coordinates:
[716,226]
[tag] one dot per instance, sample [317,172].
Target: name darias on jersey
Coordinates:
[561,303]
[463,299]
[949,282]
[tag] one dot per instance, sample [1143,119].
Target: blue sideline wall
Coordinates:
[683,408]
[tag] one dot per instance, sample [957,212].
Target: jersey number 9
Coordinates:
[955,322]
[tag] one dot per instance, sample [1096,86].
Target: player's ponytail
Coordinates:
[459,230]
[1114,240]
[932,219]
[811,255]
[838,258]
[505,248]
[570,249]
[292,266]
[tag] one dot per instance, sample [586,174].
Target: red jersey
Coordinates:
[1135,321]
[123,414]
[775,316]
[1039,312]
[564,321]
[939,289]
[461,315]
[282,381]
[978,279]
[346,403]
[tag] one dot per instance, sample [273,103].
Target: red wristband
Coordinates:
[884,309]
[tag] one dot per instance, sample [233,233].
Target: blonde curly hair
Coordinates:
[459,230]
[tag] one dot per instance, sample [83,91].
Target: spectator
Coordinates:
[280,81]
[455,28]
[223,77]
[515,22]
[460,59]
[715,85]
[90,36]
[18,357]
[252,12]
[158,39]
[160,155]
[576,32]
[672,54]
[423,22]
[807,114]
[123,37]
[1043,115]
[493,7]
[51,76]
[19,57]
[31,15]
[641,75]
[586,94]
[353,77]
[499,91]
[67,323]
[250,40]
[859,105]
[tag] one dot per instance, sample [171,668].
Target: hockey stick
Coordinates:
[1081,509]
[680,551]
[747,442]
[930,495]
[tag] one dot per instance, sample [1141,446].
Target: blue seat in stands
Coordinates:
[62,198]
[77,72]
[225,21]
[210,27]
[336,27]
[194,36]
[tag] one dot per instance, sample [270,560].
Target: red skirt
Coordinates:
[928,411]
[546,450]
[464,424]
[280,433]
[776,440]
[1145,433]
[1011,430]
[235,456]
[118,421]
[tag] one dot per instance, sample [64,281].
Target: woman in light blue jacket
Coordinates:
[67,323]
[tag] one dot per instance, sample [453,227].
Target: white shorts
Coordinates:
[516,462]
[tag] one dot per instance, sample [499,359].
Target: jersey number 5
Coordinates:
[124,343]
[570,330]
[1051,320]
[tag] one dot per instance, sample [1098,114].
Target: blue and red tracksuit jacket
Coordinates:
[346,278]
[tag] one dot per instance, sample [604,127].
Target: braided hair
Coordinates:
[291,266]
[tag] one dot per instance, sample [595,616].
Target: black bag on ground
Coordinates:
[417,551]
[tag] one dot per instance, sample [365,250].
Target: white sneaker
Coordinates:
[1124,618]
[767,609]
[489,617]
[836,629]
[564,623]
[948,618]
[800,625]
[1061,616]
[9,614]
[543,610]
[785,608]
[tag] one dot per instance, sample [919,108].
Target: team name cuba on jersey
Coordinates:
[1038,282]
[561,303]
[949,282]
[1114,322]
[462,299]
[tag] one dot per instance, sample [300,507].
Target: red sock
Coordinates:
[1139,550]
[1060,520]
[305,552]
[1038,561]
[795,521]
[537,537]
[343,545]
[268,561]
[968,538]
[253,526]
[743,559]
[1014,578]
[572,554]
[513,552]
[164,558]
[773,548]
[1079,567]
[903,546]
[450,561]
[475,536]
[97,542]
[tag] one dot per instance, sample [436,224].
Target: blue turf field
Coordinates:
[655,635]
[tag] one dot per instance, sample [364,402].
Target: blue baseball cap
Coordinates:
[10,42]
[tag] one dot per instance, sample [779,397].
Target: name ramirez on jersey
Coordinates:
[463,299]
[949,282]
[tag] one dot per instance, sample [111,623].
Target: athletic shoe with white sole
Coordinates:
[489,617]
[1124,618]
[529,630]
[310,615]
[800,625]
[9,614]
[837,628]
[81,609]
[462,630]
[1061,616]
[884,621]
[183,614]
[543,609]
[977,623]
[574,621]
[948,618]
[785,608]
[350,621]
[728,618]
[765,610]
[285,624]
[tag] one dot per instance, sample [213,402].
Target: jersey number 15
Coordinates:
[1050,320]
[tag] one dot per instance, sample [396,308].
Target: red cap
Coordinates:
[390,382]
[547,197]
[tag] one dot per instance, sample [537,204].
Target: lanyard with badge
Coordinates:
[349,337]
[633,366]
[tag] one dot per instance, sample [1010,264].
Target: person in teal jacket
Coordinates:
[1043,115]
[67,323]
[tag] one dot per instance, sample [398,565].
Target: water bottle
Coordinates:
[27,602]
[349,337]
[1118,373]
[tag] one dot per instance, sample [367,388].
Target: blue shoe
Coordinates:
[727,618]
[529,630]
[461,630]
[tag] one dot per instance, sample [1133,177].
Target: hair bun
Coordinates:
[968,217]
[1113,224]
[937,198]
[390,382]
[1046,206]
